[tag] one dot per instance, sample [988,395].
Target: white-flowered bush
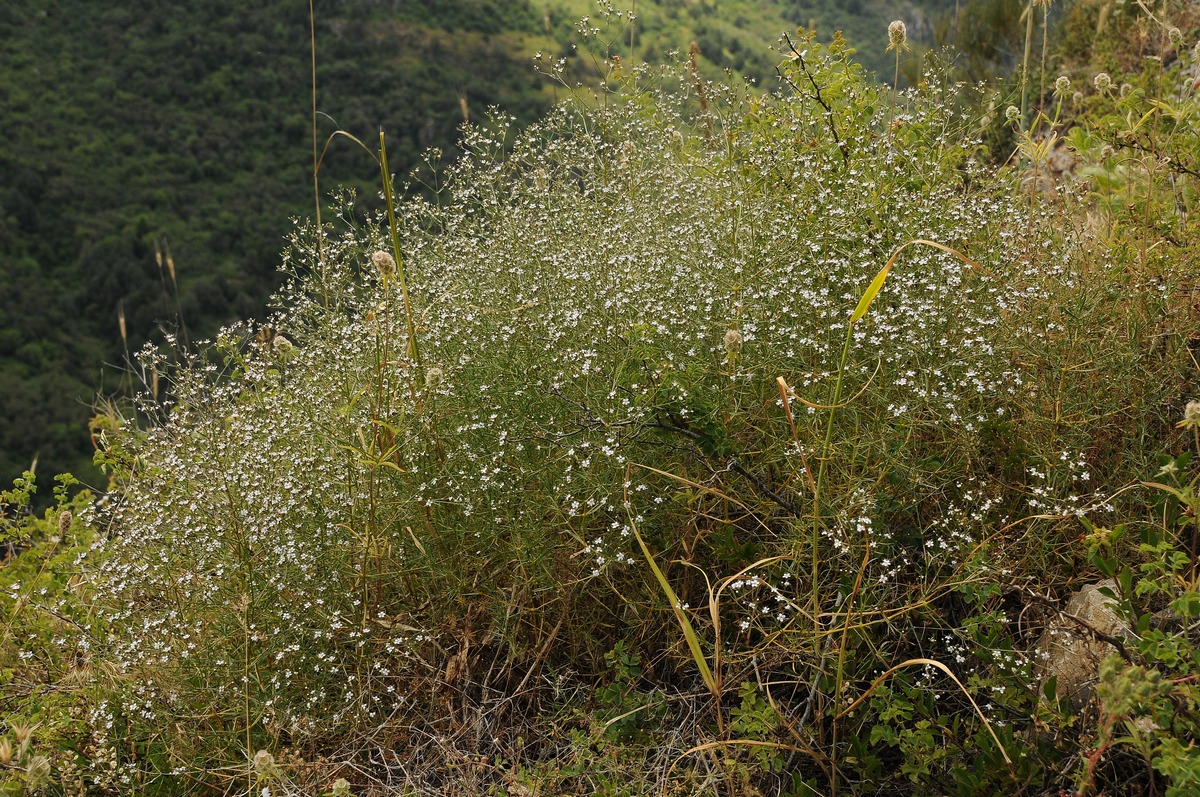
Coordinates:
[337,526]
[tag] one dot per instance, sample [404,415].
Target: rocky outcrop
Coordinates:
[1075,643]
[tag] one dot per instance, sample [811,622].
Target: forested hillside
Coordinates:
[140,132]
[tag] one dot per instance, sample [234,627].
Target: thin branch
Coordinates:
[815,95]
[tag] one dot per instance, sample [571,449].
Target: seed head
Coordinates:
[897,36]
[37,773]
[282,346]
[1062,85]
[1126,90]
[628,151]
[1191,416]
[434,376]
[1102,82]
[22,732]
[733,341]
[1175,35]
[1011,114]
[384,262]
[264,764]
[64,522]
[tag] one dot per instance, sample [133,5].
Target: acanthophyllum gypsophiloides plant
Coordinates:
[347,540]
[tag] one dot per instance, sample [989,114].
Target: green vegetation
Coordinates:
[689,440]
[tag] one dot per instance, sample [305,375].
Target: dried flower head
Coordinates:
[263,764]
[64,522]
[384,262]
[897,36]
[733,342]
[1062,85]
[37,773]
[1175,35]
[1126,90]
[1191,416]
[1102,82]
[22,732]
[1077,98]
[1011,114]
[282,346]
[6,752]
[628,151]
[434,376]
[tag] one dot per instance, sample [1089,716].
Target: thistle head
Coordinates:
[263,765]
[384,262]
[733,342]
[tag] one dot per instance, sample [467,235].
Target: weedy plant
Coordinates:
[688,440]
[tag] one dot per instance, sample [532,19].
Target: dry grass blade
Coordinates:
[705,489]
[689,632]
[845,403]
[785,394]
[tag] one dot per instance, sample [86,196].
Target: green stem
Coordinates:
[817,515]
[413,352]
[1025,60]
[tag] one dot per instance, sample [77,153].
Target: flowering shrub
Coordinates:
[380,535]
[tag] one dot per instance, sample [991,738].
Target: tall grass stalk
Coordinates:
[316,165]
[413,351]
[1025,58]
[860,312]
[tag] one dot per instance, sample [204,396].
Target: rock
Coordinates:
[1069,650]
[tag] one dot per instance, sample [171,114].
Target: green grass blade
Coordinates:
[864,304]
[689,632]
